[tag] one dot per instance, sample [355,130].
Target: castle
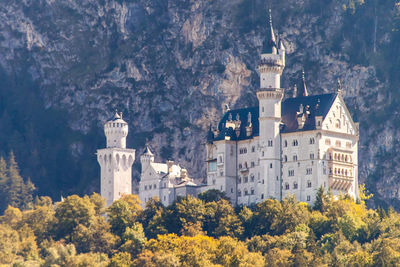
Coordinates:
[278,148]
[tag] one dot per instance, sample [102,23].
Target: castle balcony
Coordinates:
[243,169]
[340,182]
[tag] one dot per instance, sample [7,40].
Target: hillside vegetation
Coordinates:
[204,231]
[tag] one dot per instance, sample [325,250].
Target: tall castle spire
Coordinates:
[269,45]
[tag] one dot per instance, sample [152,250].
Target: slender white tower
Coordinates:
[115,161]
[270,97]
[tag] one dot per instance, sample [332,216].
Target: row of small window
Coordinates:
[337,143]
[245,166]
[285,158]
[115,124]
[296,185]
[243,150]
[150,187]
[341,157]
[342,172]
[308,172]
[246,179]
[246,192]
[296,143]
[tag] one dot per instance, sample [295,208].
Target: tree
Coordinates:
[121,259]
[221,220]
[41,218]
[322,200]
[3,184]
[123,213]
[185,213]
[133,239]
[153,218]
[72,212]
[212,195]
[19,194]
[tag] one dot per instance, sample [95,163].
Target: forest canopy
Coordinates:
[206,231]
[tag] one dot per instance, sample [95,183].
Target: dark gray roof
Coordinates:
[317,105]
[243,115]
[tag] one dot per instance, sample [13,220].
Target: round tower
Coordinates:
[270,97]
[116,130]
[146,158]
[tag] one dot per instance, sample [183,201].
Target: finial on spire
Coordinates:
[270,17]
[339,86]
[305,92]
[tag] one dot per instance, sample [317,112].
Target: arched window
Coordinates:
[252,191]
[246,193]
[287,186]
[285,158]
[239,193]
[285,143]
[294,157]
[308,183]
[252,178]
[295,185]
[239,180]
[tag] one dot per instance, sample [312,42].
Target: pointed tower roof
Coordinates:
[269,45]
[147,151]
[303,91]
[280,44]
[210,135]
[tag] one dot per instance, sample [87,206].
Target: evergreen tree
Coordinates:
[3,184]
[19,193]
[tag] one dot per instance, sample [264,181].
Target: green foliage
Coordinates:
[123,213]
[15,191]
[212,195]
[75,232]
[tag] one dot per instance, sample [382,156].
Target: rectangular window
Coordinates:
[309,171]
[308,198]
[270,165]
[338,143]
[212,166]
[312,156]
[291,172]
[327,141]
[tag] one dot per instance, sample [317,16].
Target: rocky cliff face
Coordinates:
[171,66]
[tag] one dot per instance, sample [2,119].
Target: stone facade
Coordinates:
[115,161]
[282,148]
[166,181]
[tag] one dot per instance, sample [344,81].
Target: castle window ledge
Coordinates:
[333,162]
[244,169]
[220,164]
[341,177]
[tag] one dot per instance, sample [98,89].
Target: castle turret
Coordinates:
[116,130]
[270,97]
[146,158]
[115,161]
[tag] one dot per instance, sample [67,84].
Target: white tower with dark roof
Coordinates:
[115,161]
[270,97]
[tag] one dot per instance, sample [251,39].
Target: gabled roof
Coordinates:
[159,167]
[318,105]
[292,108]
